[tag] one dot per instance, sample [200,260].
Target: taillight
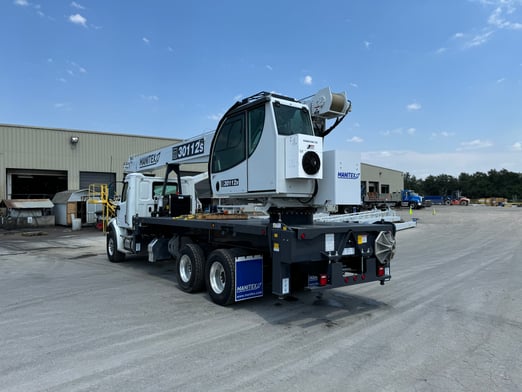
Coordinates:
[323,279]
[380,271]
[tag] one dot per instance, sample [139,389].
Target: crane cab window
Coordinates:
[292,120]
[256,122]
[230,147]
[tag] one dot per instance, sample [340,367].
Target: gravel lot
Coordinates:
[449,320]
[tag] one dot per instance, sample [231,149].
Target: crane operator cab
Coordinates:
[269,147]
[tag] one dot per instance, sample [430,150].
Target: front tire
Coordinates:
[190,268]
[113,254]
[220,276]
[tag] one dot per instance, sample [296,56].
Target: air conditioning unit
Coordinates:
[303,157]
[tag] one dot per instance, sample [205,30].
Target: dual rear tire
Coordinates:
[217,273]
[190,268]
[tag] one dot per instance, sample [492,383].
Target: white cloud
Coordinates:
[307,80]
[367,44]
[22,3]
[78,19]
[414,106]
[355,139]
[76,66]
[74,4]
[269,67]
[150,97]
[215,117]
[501,80]
[479,39]
[398,131]
[422,165]
[501,17]
[442,134]
[146,40]
[516,146]
[354,85]
[498,20]
[474,145]
[441,50]
[62,106]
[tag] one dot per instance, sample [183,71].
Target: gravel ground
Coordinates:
[449,320]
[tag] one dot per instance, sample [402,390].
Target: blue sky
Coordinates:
[436,85]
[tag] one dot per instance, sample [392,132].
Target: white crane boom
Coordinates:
[193,150]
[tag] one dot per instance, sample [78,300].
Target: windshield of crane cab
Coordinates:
[292,120]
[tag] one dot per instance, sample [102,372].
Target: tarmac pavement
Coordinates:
[449,320]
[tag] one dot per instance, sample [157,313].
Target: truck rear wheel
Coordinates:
[190,268]
[220,276]
[113,254]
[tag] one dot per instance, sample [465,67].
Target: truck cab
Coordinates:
[141,196]
[411,199]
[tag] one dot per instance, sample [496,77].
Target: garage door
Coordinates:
[35,184]
[88,178]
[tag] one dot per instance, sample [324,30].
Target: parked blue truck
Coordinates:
[404,198]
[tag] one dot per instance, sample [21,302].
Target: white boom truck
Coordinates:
[267,148]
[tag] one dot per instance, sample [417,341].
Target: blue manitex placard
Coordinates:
[249,277]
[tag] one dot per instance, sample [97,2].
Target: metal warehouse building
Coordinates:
[380,179]
[40,162]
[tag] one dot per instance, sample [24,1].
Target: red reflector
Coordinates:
[302,236]
[380,271]
[363,276]
[323,280]
[346,280]
[355,278]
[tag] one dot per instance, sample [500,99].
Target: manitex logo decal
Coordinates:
[348,175]
[249,277]
[149,160]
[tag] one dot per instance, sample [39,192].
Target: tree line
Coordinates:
[494,183]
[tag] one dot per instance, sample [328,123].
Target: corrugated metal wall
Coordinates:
[382,175]
[23,147]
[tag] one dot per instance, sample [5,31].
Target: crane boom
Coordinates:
[193,150]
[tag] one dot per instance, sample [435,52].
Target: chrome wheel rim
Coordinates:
[185,268]
[111,246]
[217,278]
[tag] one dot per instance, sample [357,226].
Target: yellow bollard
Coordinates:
[411,211]
[434,212]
